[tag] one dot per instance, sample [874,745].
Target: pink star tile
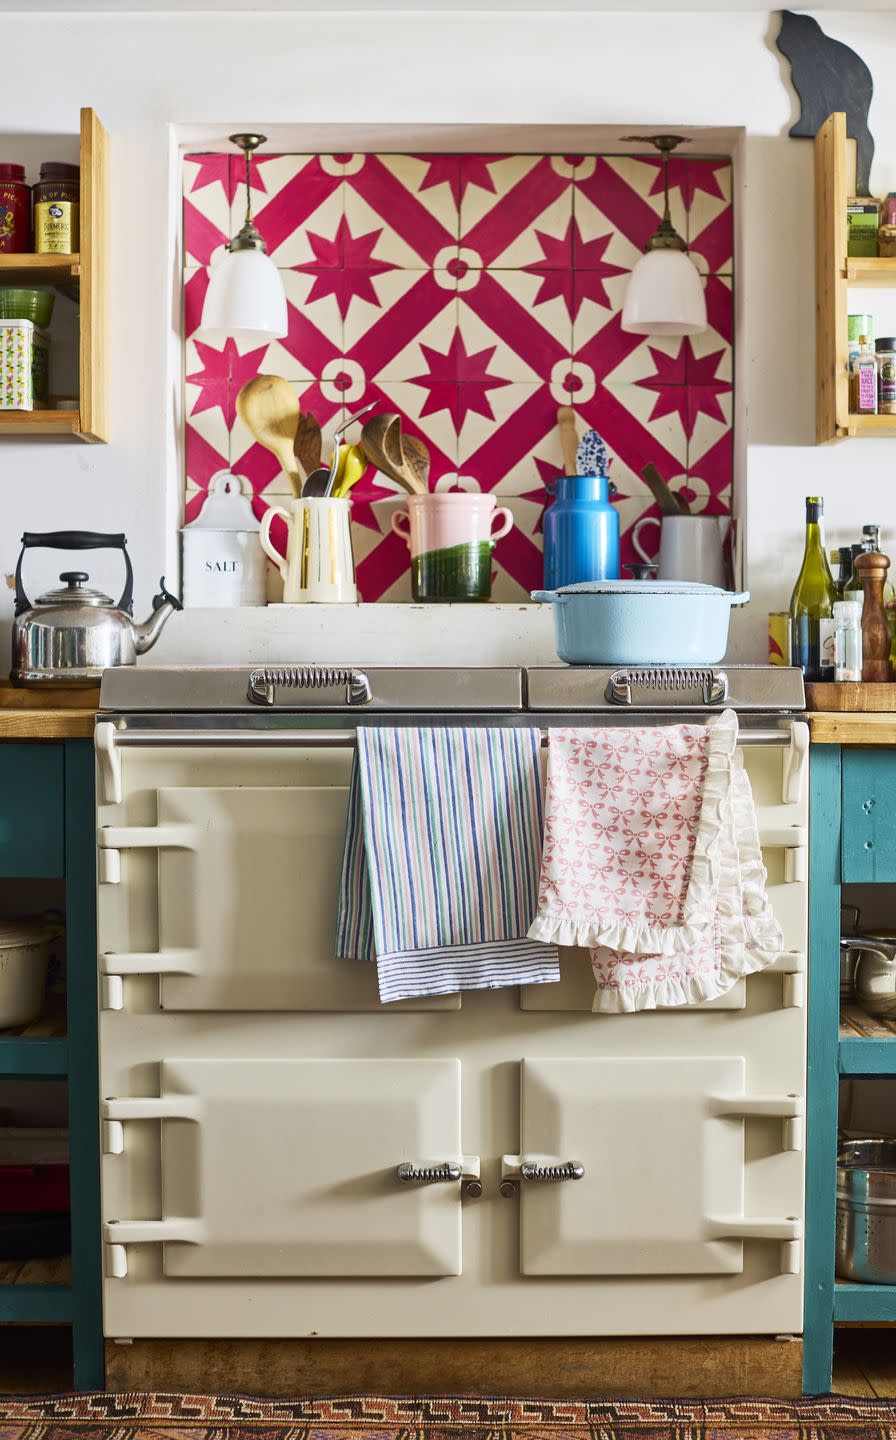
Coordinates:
[525,220]
[195,288]
[499,317]
[710,231]
[709,356]
[314,338]
[206,446]
[202,237]
[710,474]
[629,189]
[708,420]
[300,215]
[416,309]
[205,180]
[403,210]
[656,361]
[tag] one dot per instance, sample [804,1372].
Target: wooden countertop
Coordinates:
[845,728]
[66,713]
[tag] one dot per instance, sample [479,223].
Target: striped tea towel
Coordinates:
[440,869]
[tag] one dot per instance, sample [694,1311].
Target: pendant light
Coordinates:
[245,299]
[665,292]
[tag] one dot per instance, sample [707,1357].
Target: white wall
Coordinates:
[143,73]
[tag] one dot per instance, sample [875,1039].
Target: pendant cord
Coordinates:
[248,155]
[666,212]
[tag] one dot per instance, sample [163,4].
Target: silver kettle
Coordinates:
[70,635]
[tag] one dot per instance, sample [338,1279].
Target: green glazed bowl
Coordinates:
[36,305]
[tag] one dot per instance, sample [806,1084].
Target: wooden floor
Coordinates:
[36,1360]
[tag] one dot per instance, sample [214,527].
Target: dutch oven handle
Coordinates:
[75,540]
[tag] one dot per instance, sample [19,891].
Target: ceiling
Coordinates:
[181,7]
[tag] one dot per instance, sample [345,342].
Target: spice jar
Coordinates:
[57,197]
[886,374]
[15,210]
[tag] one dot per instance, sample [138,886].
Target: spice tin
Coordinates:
[223,563]
[15,210]
[16,357]
[57,209]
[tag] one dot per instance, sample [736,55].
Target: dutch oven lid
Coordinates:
[74,592]
[640,587]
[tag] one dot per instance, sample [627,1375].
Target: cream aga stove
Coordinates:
[283,1156]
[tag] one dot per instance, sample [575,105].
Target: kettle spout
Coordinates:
[163,606]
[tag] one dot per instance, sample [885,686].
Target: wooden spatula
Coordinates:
[569,442]
[307,444]
[268,407]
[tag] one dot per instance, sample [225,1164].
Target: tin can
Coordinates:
[57,209]
[886,375]
[15,210]
[779,637]
[16,360]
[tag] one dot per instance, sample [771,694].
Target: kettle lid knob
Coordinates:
[74,579]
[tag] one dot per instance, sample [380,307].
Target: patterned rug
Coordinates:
[228,1417]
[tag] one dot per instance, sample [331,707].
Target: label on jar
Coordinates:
[56,227]
[827,630]
[886,383]
[867,389]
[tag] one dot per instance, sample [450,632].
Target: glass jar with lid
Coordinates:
[57,197]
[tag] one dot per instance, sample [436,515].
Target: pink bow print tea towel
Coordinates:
[651,859]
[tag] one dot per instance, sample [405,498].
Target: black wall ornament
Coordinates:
[828,76]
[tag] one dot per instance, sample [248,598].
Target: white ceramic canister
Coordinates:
[222,561]
[319,565]
[24,952]
[16,360]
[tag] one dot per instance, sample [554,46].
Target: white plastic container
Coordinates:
[16,359]
[223,564]
[24,953]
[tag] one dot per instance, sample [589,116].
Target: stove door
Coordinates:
[291,1167]
[636,1167]
[247,880]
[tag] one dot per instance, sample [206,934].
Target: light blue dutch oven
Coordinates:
[641,622]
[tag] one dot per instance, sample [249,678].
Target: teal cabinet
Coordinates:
[32,811]
[869,816]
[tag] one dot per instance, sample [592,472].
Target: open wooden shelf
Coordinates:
[867,1043]
[50,1270]
[40,422]
[40,269]
[874,273]
[88,271]
[835,271]
[36,1292]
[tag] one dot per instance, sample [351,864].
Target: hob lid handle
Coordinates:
[264,682]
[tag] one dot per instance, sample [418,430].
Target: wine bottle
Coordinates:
[812,602]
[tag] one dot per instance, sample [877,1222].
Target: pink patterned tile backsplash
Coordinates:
[473,294]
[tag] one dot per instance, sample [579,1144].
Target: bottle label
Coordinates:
[867,388]
[887,384]
[827,629]
[56,227]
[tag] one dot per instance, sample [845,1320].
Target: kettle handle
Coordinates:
[75,540]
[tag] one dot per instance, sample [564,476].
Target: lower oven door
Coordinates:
[636,1167]
[301,1167]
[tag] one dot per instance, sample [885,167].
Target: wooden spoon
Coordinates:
[381,441]
[416,459]
[660,491]
[307,445]
[268,408]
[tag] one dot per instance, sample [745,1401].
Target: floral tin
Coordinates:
[16,358]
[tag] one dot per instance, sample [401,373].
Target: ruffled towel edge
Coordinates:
[699,904]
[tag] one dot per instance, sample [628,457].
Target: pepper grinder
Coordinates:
[872,568]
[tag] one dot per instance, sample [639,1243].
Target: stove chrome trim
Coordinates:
[668,679]
[264,682]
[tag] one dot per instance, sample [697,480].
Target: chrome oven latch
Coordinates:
[669,680]
[517,1167]
[441,1172]
[264,682]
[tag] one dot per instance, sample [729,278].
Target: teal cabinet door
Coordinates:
[32,811]
[869,815]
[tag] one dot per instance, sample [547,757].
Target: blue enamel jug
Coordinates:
[581,532]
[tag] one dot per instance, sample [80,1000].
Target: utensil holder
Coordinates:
[319,567]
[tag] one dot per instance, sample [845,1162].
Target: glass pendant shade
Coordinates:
[244,301]
[664,296]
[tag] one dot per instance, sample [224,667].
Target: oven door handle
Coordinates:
[789,1108]
[115,964]
[112,839]
[118,1234]
[786,1228]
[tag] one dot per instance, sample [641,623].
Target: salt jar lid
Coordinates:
[227,505]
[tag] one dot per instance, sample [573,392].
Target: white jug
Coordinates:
[319,564]
[692,547]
